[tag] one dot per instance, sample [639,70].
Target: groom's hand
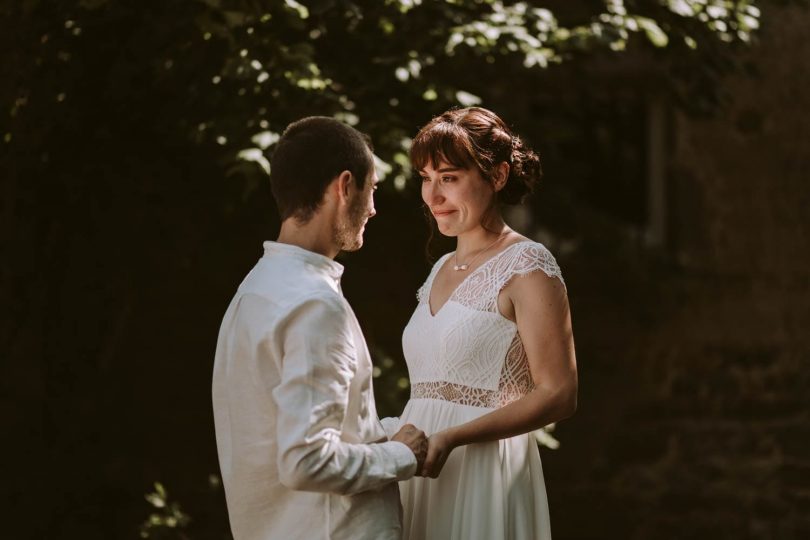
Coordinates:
[414,439]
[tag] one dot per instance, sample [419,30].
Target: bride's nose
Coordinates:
[432,193]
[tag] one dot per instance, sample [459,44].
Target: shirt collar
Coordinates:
[324,264]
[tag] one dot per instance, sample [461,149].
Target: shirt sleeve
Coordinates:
[318,364]
[390,425]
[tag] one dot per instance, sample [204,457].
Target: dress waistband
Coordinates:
[457,393]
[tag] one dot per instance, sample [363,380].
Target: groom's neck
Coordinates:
[315,235]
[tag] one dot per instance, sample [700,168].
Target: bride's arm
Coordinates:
[539,305]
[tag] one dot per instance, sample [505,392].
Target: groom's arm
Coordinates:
[318,365]
[390,425]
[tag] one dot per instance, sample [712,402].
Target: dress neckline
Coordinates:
[463,281]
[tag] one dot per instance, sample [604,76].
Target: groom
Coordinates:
[301,449]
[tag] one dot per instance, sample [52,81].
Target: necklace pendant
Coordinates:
[460,267]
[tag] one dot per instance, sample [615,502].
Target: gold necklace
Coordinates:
[464,266]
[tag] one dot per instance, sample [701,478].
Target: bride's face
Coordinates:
[458,198]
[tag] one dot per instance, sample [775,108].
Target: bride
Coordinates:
[490,349]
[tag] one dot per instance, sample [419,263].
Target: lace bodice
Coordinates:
[467,352]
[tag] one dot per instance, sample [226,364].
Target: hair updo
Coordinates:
[477,137]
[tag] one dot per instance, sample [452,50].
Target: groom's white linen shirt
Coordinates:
[301,449]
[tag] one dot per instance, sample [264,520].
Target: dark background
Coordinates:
[675,198]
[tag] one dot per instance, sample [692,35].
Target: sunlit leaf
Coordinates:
[467,99]
[300,9]
[383,169]
[265,139]
[654,33]
[255,155]
[544,438]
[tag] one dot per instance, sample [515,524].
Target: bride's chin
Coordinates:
[446,231]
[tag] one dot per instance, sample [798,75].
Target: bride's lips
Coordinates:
[442,213]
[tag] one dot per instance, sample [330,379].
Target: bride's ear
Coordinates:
[500,176]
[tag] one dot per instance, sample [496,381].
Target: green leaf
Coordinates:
[654,32]
[302,11]
[467,99]
[155,500]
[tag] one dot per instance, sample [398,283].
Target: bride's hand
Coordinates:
[439,447]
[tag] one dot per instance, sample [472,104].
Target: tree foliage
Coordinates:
[220,72]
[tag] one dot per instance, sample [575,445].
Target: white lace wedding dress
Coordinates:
[464,361]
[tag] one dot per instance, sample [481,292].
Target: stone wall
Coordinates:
[700,428]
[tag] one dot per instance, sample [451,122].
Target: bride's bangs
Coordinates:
[442,141]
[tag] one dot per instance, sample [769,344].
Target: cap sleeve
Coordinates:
[529,257]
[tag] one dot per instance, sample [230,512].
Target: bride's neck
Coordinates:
[481,237]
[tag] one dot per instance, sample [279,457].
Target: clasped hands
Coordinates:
[431,452]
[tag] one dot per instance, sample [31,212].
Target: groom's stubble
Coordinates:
[348,232]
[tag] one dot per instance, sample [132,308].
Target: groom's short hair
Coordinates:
[310,154]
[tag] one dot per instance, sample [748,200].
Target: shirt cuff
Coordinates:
[391,425]
[403,458]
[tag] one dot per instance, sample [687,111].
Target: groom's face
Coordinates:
[352,223]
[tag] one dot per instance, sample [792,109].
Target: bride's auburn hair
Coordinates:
[474,137]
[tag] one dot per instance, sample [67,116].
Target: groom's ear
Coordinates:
[342,185]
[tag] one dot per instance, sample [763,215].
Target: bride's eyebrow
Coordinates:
[422,172]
